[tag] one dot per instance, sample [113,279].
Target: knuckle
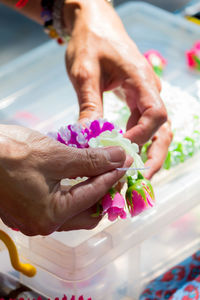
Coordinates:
[88,107]
[93,158]
[161,115]
[168,133]
[46,225]
[81,72]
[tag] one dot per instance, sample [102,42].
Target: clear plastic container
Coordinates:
[115,259]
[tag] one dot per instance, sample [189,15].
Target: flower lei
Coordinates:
[101,133]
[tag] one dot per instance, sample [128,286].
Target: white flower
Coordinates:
[114,138]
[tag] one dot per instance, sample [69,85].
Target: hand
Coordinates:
[157,151]
[31,168]
[101,57]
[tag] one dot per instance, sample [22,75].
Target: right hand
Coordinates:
[31,168]
[100,57]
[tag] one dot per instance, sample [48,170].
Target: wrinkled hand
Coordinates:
[101,57]
[31,168]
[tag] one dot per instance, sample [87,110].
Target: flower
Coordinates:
[193,56]
[101,133]
[139,195]
[73,136]
[113,204]
[156,61]
[115,138]
[78,136]
[96,127]
[98,133]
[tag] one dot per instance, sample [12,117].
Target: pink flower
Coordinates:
[193,56]
[197,45]
[113,204]
[156,60]
[139,195]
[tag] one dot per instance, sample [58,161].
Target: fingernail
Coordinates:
[116,155]
[128,162]
[147,175]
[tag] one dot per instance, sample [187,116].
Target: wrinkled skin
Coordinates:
[31,168]
[100,57]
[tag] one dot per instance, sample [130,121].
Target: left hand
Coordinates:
[32,166]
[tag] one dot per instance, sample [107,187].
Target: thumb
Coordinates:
[72,162]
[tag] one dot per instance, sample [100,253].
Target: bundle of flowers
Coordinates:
[101,133]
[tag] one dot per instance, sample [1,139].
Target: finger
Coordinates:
[153,115]
[158,150]
[142,93]
[69,162]
[84,220]
[85,76]
[85,195]
[133,119]
[158,83]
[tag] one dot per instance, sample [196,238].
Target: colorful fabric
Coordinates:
[181,282]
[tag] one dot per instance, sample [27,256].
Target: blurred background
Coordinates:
[19,34]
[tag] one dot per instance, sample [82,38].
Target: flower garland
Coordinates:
[101,133]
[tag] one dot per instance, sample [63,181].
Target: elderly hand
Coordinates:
[100,57]
[31,168]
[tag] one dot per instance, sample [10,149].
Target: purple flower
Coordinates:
[139,195]
[73,136]
[78,136]
[113,204]
[96,127]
